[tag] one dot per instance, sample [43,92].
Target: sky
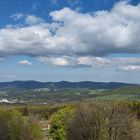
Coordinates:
[71,40]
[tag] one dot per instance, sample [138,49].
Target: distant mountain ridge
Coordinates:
[62,85]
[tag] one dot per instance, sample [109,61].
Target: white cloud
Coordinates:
[32,19]
[93,61]
[130,68]
[55,61]
[59,61]
[75,3]
[119,63]
[74,38]
[17,16]
[28,19]
[24,62]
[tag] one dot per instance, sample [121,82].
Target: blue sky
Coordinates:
[73,40]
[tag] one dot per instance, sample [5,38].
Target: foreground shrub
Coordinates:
[15,127]
[98,121]
[60,122]
[102,122]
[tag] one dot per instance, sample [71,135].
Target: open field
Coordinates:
[46,95]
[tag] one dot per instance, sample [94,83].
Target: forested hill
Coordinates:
[62,85]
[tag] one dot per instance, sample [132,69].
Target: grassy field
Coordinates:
[131,93]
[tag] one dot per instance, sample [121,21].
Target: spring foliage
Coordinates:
[13,126]
[60,122]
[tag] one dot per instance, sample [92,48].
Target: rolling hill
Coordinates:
[61,85]
[130,93]
[52,92]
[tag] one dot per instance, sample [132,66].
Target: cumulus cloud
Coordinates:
[76,61]
[31,19]
[76,39]
[60,61]
[130,68]
[122,64]
[28,19]
[24,62]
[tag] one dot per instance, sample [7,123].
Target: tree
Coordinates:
[60,122]
[102,122]
[13,126]
[88,124]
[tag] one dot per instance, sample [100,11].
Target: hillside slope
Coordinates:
[62,85]
[131,93]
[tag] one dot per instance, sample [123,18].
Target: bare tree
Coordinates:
[102,122]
